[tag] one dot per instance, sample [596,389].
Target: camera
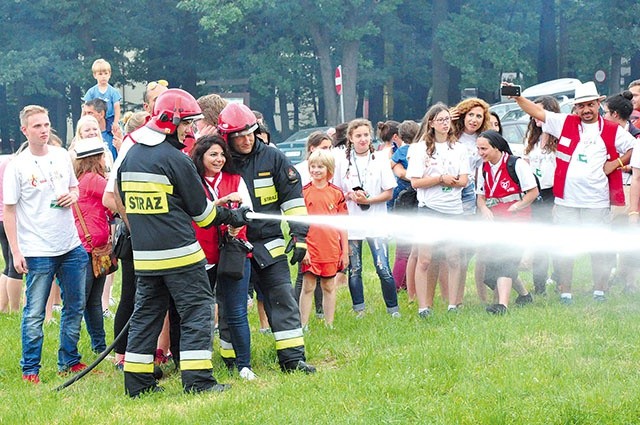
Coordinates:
[363,207]
[510,90]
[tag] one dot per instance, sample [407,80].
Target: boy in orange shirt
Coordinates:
[327,247]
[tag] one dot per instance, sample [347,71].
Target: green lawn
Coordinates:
[541,364]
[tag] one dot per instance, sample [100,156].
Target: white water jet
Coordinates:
[475,232]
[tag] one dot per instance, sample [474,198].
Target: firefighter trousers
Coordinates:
[192,295]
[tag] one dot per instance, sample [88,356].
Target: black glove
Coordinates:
[236,217]
[299,248]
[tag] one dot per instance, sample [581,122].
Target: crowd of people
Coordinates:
[179,183]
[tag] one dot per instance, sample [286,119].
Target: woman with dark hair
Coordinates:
[618,108]
[502,196]
[224,186]
[540,153]
[438,169]
[494,119]
[388,134]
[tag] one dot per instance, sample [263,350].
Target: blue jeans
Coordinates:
[70,268]
[233,323]
[379,251]
[93,309]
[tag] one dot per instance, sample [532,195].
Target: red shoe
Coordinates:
[32,378]
[78,367]
[160,358]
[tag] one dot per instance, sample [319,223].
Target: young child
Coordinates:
[327,247]
[105,91]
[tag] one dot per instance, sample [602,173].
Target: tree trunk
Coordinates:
[323,52]
[350,77]
[439,67]
[284,115]
[548,47]
[613,78]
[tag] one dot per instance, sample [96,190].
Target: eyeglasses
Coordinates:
[443,120]
[153,84]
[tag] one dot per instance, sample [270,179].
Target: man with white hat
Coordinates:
[588,180]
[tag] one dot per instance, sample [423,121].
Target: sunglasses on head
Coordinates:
[153,84]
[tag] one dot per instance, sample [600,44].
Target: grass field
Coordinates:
[545,363]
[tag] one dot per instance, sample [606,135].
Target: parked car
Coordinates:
[302,135]
[295,150]
[295,146]
[501,108]
[514,132]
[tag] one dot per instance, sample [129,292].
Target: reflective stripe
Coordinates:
[226,350]
[195,355]
[262,183]
[275,247]
[138,358]
[161,254]
[301,245]
[510,198]
[294,207]
[290,343]
[563,156]
[287,334]
[138,367]
[129,186]
[209,214]
[162,264]
[195,364]
[138,363]
[145,177]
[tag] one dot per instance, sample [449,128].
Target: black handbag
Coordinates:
[233,253]
[122,248]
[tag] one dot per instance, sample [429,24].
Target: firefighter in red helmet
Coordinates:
[275,188]
[158,186]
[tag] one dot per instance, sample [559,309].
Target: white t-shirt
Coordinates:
[635,155]
[586,185]
[374,176]
[33,183]
[469,143]
[127,143]
[543,164]
[523,171]
[446,160]
[303,170]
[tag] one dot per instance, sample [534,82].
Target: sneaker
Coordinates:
[107,314]
[453,309]
[359,314]
[319,315]
[540,291]
[247,374]
[78,367]
[217,388]
[57,308]
[524,299]
[497,309]
[119,365]
[300,366]
[566,301]
[160,357]
[396,315]
[264,331]
[32,378]
[249,302]
[424,314]
[599,298]
[305,329]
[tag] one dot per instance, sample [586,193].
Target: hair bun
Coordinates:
[627,94]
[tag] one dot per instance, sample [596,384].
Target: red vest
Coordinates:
[571,130]
[501,188]
[208,238]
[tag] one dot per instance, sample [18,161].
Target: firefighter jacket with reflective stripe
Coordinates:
[275,188]
[162,194]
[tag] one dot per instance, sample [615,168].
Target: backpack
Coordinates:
[511,169]
[407,200]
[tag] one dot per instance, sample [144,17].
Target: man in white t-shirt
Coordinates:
[39,189]
[590,153]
